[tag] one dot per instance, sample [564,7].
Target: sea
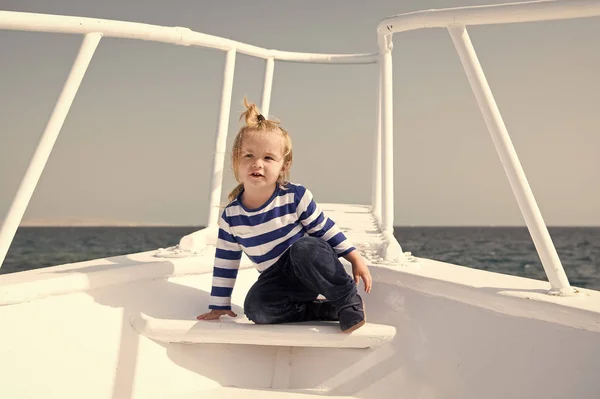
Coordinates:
[508,250]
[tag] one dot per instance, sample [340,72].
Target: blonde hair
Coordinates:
[255,122]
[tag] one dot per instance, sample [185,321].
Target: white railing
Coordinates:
[11,20]
[93,30]
[530,11]
[456,20]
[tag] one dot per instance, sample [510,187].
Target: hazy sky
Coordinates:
[137,145]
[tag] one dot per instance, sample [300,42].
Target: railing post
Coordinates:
[376,197]
[46,143]
[512,167]
[216,183]
[387,141]
[393,250]
[267,87]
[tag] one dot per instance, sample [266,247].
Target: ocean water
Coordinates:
[508,250]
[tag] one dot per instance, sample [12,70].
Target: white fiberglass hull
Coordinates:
[461,332]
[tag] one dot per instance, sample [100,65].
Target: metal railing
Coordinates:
[456,20]
[93,30]
[453,19]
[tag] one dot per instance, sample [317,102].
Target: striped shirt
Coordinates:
[264,234]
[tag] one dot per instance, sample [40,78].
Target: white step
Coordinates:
[233,393]
[241,331]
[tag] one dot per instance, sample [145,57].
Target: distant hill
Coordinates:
[84,222]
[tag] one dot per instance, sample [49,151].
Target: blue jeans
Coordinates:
[284,291]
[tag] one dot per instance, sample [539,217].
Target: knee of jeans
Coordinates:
[254,314]
[251,313]
[258,318]
[307,245]
[249,302]
[252,308]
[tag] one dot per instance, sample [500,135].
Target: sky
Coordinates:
[137,144]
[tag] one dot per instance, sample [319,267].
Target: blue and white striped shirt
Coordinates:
[264,234]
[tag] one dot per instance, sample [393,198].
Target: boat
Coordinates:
[125,326]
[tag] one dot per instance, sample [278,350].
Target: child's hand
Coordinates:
[360,270]
[215,314]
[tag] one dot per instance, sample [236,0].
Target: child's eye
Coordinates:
[269,158]
[248,156]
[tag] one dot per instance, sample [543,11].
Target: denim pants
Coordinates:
[308,268]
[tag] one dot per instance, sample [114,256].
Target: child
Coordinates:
[294,246]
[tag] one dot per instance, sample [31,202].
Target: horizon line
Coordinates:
[83,225]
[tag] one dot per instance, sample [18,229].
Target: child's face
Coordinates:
[261,159]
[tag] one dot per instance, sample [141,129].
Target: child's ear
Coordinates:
[286,166]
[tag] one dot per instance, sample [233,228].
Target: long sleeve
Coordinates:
[227,262]
[317,224]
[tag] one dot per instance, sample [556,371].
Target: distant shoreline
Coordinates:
[108,225]
[149,225]
[93,223]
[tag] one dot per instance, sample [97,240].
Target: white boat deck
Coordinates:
[228,393]
[359,225]
[85,310]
